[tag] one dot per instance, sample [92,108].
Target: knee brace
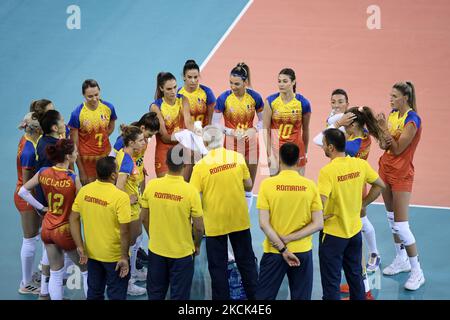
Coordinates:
[404,233]
[390,217]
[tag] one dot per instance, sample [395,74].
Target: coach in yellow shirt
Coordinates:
[222,177]
[290,211]
[340,186]
[169,204]
[106,215]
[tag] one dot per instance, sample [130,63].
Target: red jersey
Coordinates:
[26,158]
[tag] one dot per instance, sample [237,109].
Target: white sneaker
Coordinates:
[31,288]
[415,280]
[134,290]
[140,275]
[373,264]
[398,265]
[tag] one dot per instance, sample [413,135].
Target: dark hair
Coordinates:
[336,138]
[38,107]
[291,74]
[289,153]
[161,79]
[56,153]
[340,91]
[365,117]
[242,71]
[89,83]
[149,120]
[105,167]
[190,65]
[174,158]
[407,89]
[129,133]
[48,120]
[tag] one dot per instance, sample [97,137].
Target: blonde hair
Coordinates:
[29,124]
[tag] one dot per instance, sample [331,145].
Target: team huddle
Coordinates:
[206,158]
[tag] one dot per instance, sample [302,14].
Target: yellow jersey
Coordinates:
[290,200]
[199,101]
[342,181]
[219,178]
[127,166]
[103,207]
[171,202]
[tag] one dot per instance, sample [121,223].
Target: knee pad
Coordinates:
[390,217]
[404,233]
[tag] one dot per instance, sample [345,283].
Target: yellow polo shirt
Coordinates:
[290,199]
[342,181]
[171,202]
[219,178]
[103,207]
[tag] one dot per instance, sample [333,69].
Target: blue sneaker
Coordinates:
[374,263]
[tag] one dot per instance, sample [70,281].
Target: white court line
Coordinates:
[411,205]
[225,35]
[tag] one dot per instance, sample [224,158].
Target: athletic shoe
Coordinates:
[415,280]
[36,277]
[397,266]
[345,288]
[141,275]
[134,290]
[44,297]
[31,288]
[374,263]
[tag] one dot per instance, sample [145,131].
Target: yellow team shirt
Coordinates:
[290,200]
[342,181]
[171,202]
[103,207]
[126,165]
[199,100]
[219,177]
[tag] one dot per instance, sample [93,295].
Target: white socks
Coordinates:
[55,286]
[249,199]
[368,233]
[134,249]
[27,254]
[85,283]
[415,264]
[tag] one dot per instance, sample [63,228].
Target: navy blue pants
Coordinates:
[217,252]
[336,254]
[163,271]
[272,270]
[103,274]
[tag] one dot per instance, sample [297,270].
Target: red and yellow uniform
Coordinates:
[60,190]
[286,123]
[398,170]
[238,114]
[137,157]
[173,120]
[359,147]
[199,101]
[26,159]
[127,166]
[92,126]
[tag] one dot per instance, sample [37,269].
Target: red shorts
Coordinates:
[160,158]
[398,184]
[249,148]
[21,204]
[59,236]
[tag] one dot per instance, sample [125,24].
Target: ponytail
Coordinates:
[365,118]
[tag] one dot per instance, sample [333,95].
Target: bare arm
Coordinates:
[165,137]
[111,126]
[145,215]
[267,119]
[407,136]
[124,239]
[211,112]
[374,192]
[75,139]
[266,227]
[248,184]
[120,184]
[75,228]
[315,225]
[199,230]
[188,122]
[305,130]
